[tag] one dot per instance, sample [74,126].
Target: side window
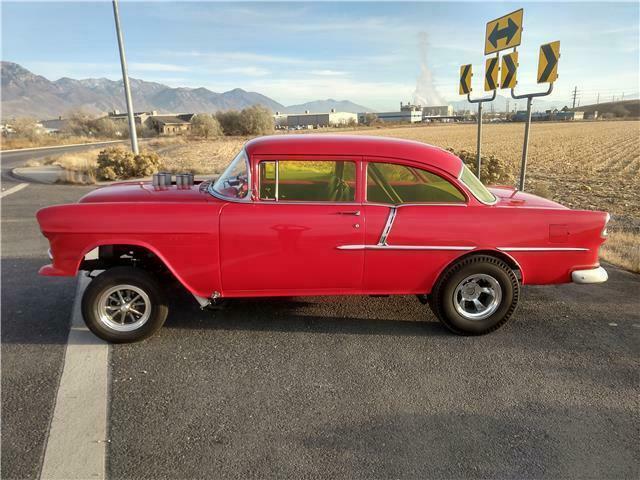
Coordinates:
[392,183]
[308,181]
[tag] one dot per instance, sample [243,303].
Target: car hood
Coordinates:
[145,192]
[510,197]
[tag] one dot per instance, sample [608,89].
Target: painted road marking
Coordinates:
[14,189]
[76,447]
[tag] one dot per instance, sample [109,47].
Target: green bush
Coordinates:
[494,170]
[115,163]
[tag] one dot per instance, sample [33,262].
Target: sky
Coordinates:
[293,52]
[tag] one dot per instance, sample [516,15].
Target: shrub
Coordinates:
[494,170]
[370,119]
[26,128]
[116,163]
[230,122]
[206,126]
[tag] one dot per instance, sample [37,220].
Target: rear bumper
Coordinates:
[593,275]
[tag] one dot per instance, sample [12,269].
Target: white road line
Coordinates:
[14,189]
[76,447]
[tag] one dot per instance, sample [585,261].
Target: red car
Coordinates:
[320,215]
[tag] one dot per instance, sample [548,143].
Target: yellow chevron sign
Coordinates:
[504,32]
[491,74]
[509,70]
[548,62]
[466,72]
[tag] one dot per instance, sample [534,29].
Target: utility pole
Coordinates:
[598,100]
[575,94]
[125,81]
[623,96]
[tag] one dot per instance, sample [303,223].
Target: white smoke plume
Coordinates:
[426,94]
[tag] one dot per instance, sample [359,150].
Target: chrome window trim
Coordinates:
[425,204]
[387,227]
[406,247]
[247,199]
[471,191]
[542,249]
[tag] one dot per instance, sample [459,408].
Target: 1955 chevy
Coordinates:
[299,215]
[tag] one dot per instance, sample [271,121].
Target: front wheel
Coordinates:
[124,304]
[475,296]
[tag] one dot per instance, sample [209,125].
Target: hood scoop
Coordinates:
[163,180]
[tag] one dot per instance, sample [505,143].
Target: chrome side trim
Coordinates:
[387,228]
[542,249]
[405,247]
[50,254]
[593,275]
[425,204]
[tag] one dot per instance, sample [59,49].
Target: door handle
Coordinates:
[354,212]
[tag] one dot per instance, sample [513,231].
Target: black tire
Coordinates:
[442,299]
[140,280]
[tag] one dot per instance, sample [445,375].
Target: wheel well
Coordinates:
[513,265]
[109,256]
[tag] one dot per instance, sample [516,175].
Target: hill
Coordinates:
[27,94]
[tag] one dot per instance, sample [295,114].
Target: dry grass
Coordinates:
[201,156]
[623,248]
[9,143]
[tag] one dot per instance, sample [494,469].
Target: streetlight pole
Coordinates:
[125,81]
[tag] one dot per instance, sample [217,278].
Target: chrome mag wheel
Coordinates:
[477,297]
[123,308]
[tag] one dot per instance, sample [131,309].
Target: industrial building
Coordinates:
[438,111]
[319,120]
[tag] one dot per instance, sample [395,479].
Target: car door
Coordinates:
[285,241]
[414,217]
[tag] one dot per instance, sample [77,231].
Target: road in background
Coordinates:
[14,159]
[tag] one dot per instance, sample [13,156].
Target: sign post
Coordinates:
[547,73]
[490,83]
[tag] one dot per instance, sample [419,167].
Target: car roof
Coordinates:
[356,145]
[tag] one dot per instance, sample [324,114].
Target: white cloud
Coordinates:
[157,67]
[328,73]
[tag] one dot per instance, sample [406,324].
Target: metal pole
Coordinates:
[525,148]
[125,80]
[479,158]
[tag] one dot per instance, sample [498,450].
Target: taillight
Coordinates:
[604,233]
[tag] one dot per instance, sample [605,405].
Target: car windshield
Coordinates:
[476,187]
[234,182]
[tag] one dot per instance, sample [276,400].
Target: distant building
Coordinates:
[549,116]
[165,124]
[319,120]
[170,124]
[54,126]
[438,111]
[403,116]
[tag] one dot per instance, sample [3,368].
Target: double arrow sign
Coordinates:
[501,34]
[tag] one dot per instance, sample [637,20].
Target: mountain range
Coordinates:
[27,94]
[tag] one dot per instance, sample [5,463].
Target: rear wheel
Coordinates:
[124,304]
[476,295]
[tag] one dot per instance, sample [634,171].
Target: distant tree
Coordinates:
[105,127]
[230,122]
[256,120]
[370,119]
[78,123]
[26,127]
[204,125]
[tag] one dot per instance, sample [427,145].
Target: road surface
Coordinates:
[325,387]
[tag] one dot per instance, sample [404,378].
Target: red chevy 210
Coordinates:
[303,215]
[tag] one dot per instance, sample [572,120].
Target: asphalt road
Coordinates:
[11,160]
[331,387]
